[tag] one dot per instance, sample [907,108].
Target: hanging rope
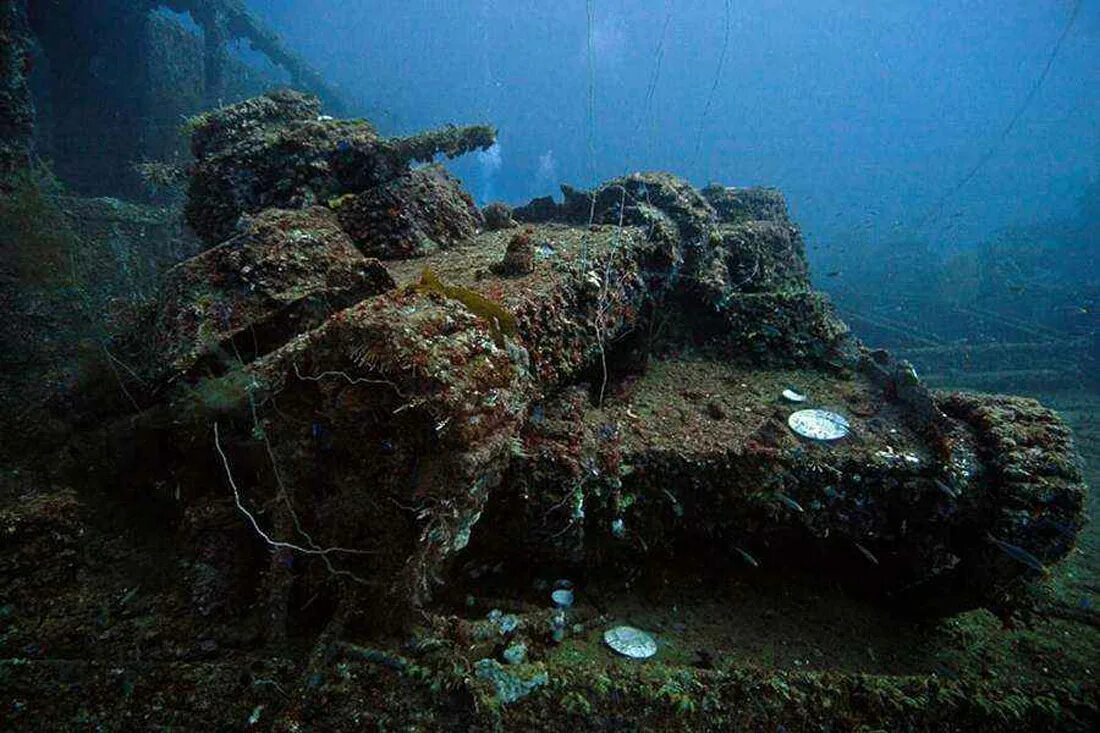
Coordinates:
[651,89]
[591,8]
[717,80]
[938,207]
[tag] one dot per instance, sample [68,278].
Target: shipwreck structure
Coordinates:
[100,87]
[431,444]
[95,103]
[349,389]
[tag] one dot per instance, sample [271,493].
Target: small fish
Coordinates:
[129,596]
[1018,554]
[866,553]
[747,557]
[950,492]
[833,273]
[791,503]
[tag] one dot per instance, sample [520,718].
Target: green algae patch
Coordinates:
[501,321]
[336,202]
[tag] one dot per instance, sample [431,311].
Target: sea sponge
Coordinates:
[519,258]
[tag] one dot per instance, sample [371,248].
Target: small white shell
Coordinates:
[630,642]
[819,424]
[791,396]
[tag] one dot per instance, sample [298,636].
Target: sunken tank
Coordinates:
[377,414]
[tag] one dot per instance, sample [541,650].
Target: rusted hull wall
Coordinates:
[115,85]
[94,78]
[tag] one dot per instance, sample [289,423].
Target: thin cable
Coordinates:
[487,82]
[278,544]
[717,80]
[591,9]
[938,207]
[651,88]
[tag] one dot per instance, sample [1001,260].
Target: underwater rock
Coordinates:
[277,151]
[515,653]
[537,211]
[43,529]
[498,215]
[421,211]
[509,685]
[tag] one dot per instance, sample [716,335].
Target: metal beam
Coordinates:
[226,20]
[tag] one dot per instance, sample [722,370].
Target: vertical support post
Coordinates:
[215,58]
